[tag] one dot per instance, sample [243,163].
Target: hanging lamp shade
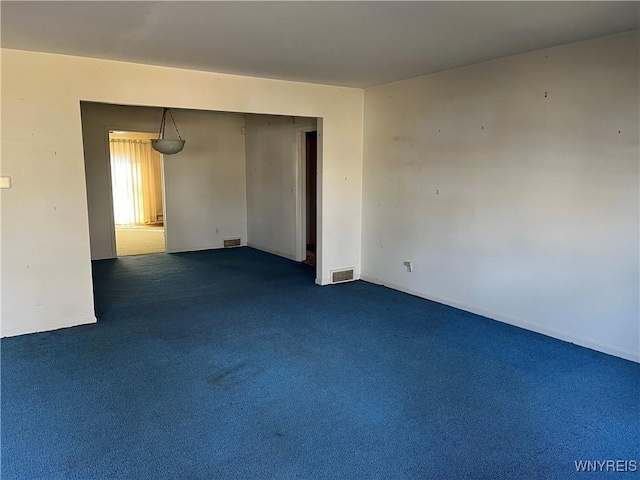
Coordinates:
[167,146]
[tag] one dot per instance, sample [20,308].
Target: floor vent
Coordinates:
[231,242]
[338,276]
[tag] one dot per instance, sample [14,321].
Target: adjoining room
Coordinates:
[242,179]
[136,183]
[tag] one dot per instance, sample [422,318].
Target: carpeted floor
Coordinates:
[233,364]
[139,240]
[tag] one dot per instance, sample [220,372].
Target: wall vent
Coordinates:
[338,276]
[232,242]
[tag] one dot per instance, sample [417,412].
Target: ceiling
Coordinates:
[357,44]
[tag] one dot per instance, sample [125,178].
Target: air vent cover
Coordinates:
[231,242]
[338,276]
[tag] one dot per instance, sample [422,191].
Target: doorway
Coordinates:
[311,195]
[138,197]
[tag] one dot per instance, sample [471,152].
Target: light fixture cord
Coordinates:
[163,123]
[174,123]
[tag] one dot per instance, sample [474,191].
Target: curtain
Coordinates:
[133,180]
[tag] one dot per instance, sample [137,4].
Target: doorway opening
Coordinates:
[311,195]
[138,197]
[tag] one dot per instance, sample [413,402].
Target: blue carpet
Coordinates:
[233,364]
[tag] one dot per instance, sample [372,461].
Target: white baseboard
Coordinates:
[43,327]
[201,248]
[102,258]
[517,322]
[273,252]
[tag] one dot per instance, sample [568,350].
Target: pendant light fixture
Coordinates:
[167,146]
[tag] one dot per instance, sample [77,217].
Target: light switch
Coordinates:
[5,182]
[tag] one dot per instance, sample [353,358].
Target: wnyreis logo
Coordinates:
[606,465]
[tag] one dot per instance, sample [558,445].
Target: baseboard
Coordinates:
[202,248]
[272,252]
[102,258]
[516,322]
[43,327]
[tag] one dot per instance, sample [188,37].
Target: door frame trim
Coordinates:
[107,130]
[301,192]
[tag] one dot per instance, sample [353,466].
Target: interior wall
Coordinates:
[205,199]
[272,165]
[45,223]
[512,186]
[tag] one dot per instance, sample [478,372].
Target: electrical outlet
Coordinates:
[409,266]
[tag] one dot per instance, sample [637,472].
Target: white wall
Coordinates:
[46,261]
[513,187]
[204,184]
[272,165]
